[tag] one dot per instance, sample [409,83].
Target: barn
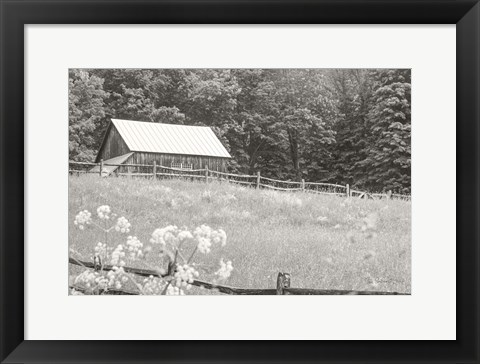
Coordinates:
[176,146]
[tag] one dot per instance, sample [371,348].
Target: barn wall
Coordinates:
[198,162]
[114,145]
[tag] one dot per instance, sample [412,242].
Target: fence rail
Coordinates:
[257,181]
[283,284]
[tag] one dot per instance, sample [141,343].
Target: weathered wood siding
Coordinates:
[197,162]
[114,145]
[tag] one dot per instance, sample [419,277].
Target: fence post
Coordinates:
[101,167]
[206,174]
[280,280]
[286,282]
[303,185]
[283,281]
[97,262]
[258,180]
[348,190]
[154,170]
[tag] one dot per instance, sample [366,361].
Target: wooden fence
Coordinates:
[282,288]
[254,181]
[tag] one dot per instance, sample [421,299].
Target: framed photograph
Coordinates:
[169,168]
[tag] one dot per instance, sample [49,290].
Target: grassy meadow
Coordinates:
[322,241]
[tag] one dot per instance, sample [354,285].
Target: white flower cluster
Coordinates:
[104,212]
[175,291]
[184,276]
[134,247]
[205,236]
[92,280]
[122,225]
[170,235]
[153,286]
[117,255]
[74,292]
[116,277]
[370,222]
[100,250]
[83,218]
[225,269]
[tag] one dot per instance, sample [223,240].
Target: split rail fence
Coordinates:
[282,288]
[254,181]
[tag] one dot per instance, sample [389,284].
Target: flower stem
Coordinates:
[193,253]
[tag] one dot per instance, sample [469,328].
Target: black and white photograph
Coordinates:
[239,181]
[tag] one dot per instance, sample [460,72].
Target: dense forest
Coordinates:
[338,125]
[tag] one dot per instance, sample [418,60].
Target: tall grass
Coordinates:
[322,241]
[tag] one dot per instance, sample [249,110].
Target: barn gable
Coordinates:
[113,145]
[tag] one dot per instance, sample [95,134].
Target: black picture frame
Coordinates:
[15,14]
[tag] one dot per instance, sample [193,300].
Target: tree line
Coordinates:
[338,125]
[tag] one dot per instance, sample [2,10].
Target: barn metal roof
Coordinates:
[107,170]
[170,138]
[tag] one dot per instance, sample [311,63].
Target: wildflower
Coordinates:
[245,214]
[219,237]
[225,269]
[134,247]
[205,235]
[87,277]
[101,282]
[83,218]
[174,291]
[153,286]
[92,280]
[184,276]
[100,250]
[207,196]
[230,197]
[104,212]
[370,222]
[122,225]
[297,202]
[328,260]
[204,245]
[184,235]
[372,282]
[165,235]
[117,256]
[115,277]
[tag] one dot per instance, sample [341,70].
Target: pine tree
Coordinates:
[389,157]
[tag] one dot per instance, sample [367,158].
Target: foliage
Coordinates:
[323,241]
[86,109]
[344,126]
[168,245]
[389,154]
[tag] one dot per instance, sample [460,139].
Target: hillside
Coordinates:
[322,241]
